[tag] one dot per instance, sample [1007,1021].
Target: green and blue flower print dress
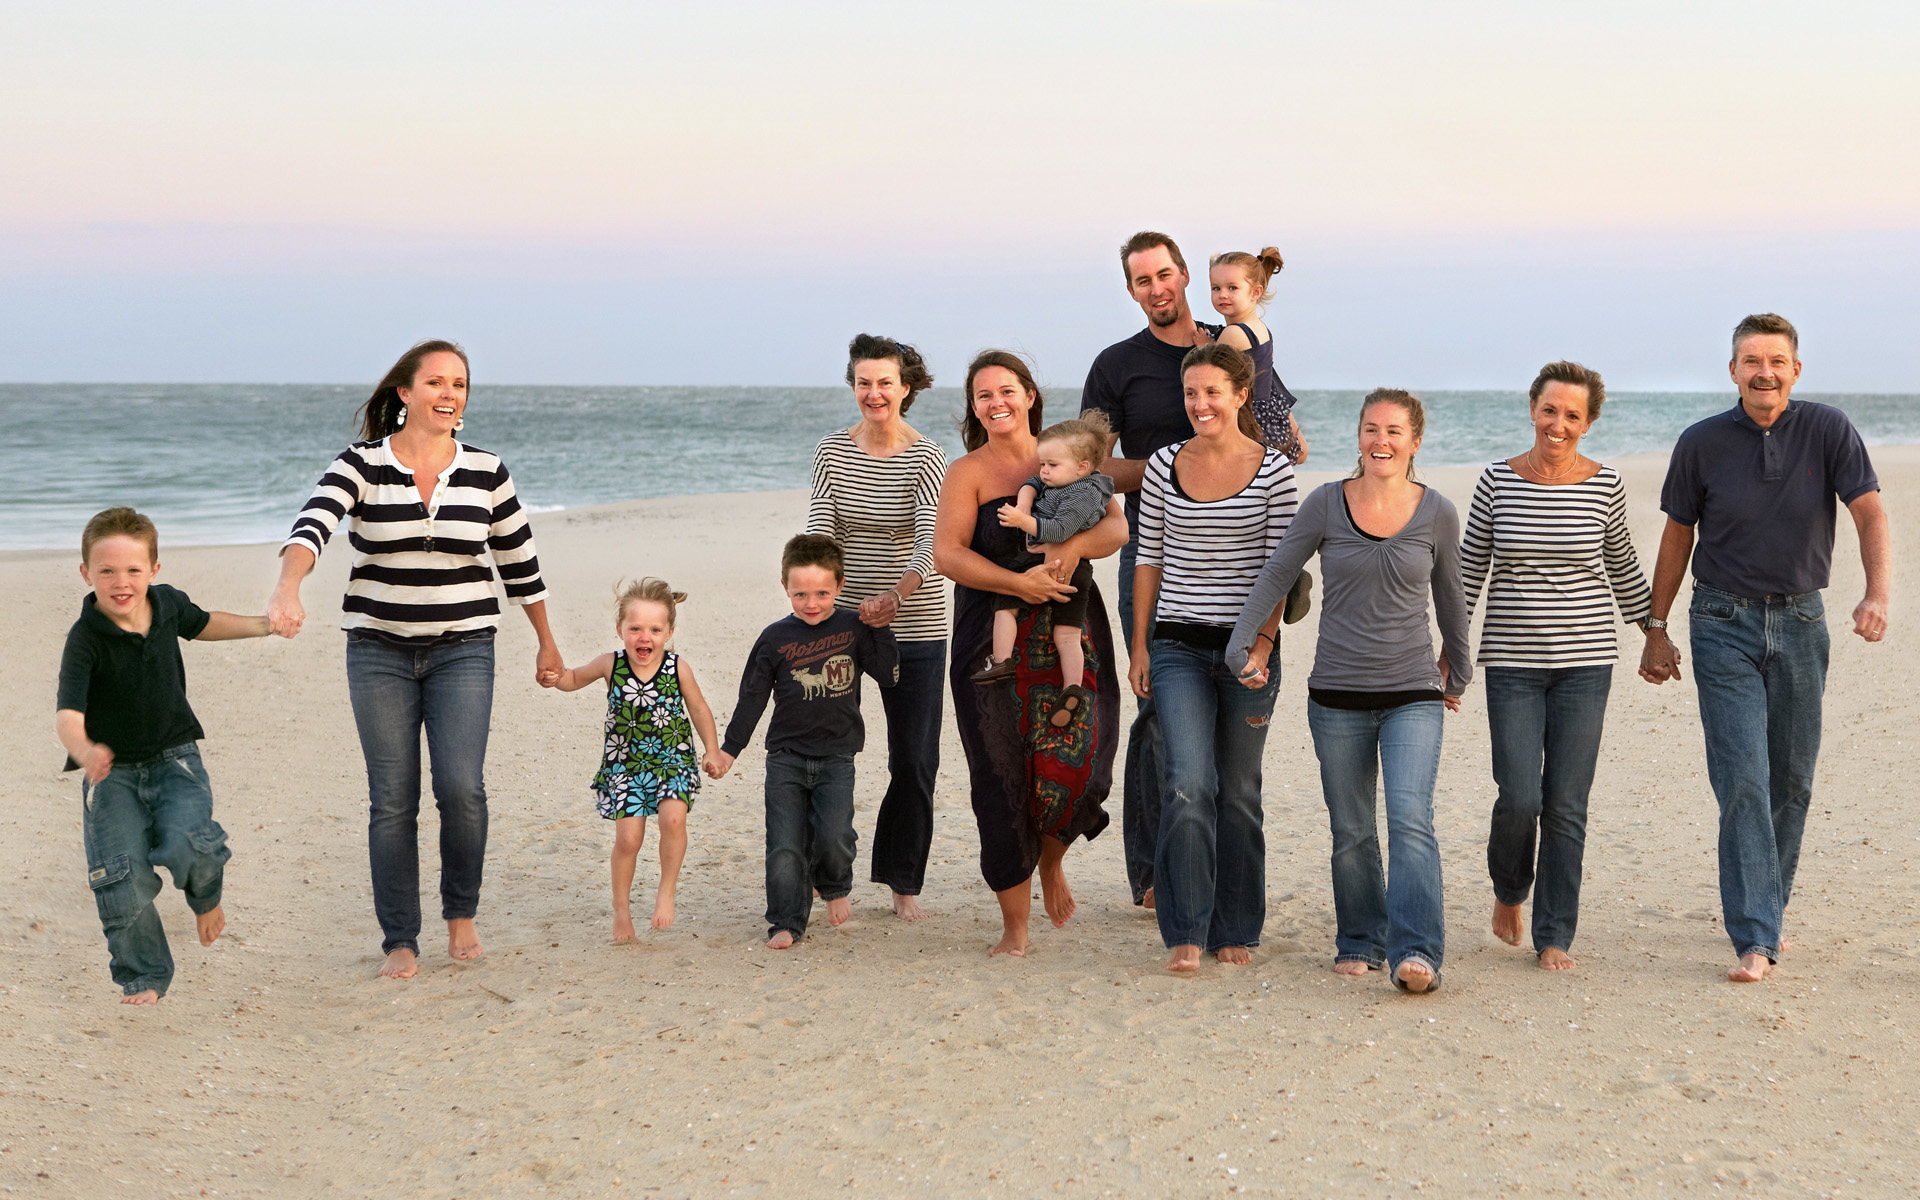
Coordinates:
[649,755]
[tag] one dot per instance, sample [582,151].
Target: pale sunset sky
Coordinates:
[723,193]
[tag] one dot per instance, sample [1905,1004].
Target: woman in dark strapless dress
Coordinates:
[1035,787]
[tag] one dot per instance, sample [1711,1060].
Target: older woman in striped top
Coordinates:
[1547,535]
[1212,510]
[424,511]
[876,490]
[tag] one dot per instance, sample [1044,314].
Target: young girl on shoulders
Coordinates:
[1240,284]
[648,768]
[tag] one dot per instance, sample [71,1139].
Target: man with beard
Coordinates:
[1758,484]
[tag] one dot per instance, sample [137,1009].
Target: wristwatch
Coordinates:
[1653,623]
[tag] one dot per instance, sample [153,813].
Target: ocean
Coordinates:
[231,463]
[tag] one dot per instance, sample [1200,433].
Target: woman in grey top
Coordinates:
[1375,696]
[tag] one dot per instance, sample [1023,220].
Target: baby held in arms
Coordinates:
[1067,497]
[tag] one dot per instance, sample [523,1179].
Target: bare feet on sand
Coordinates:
[1055,896]
[1012,941]
[1234,956]
[463,940]
[663,909]
[1751,968]
[1146,901]
[1186,959]
[1351,967]
[1415,976]
[907,908]
[401,964]
[210,924]
[147,997]
[1553,958]
[780,941]
[623,925]
[1506,922]
[838,911]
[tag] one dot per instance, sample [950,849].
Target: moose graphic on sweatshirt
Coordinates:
[812,674]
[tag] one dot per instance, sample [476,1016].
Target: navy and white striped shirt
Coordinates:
[1556,559]
[420,571]
[1210,552]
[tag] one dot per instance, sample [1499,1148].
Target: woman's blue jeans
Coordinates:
[447,689]
[1546,724]
[1382,920]
[1761,669]
[1210,861]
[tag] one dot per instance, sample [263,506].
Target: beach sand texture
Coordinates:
[886,1059]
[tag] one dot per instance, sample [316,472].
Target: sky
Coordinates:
[724,193]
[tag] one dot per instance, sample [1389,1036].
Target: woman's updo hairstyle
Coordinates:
[914,375]
[1237,365]
[380,415]
[972,433]
[1260,268]
[656,590]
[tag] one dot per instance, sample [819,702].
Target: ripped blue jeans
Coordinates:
[1210,862]
[153,814]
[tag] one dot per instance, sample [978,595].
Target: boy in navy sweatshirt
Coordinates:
[810,664]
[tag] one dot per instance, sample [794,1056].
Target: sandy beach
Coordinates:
[887,1059]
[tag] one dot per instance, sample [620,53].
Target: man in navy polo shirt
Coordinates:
[1758,484]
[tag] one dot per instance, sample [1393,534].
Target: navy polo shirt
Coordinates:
[133,689]
[1137,384]
[1762,499]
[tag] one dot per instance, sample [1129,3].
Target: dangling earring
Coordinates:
[401,420]
[459,424]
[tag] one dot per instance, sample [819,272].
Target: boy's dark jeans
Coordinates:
[156,813]
[810,838]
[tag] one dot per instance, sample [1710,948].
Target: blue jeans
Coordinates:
[1383,921]
[1211,861]
[1141,775]
[156,814]
[903,830]
[1761,670]
[447,688]
[1546,726]
[810,838]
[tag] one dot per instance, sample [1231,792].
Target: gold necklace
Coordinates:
[1534,463]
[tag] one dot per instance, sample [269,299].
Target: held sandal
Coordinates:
[1072,700]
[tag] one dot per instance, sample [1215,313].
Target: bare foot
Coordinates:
[1146,901]
[147,997]
[1752,968]
[907,908]
[1786,943]
[1185,959]
[1055,896]
[1553,958]
[1506,922]
[1415,976]
[210,924]
[463,940]
[401,964]
[1234,956]
[1012,941]
[663,910]
[623,926]
[1351,966]
[780,941]
[838,911]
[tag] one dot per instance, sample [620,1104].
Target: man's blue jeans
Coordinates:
[1546,724]
[446,688]
[1382,920]
[1761,670]
[810,838]
[1211,861]
[903,830]
[1141,775]
[155,814]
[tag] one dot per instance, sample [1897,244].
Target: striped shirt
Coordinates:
[881,511]
[1556,559]
[1210,552]
[420,570]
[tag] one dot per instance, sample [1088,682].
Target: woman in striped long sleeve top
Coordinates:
[424,513]
[876,490]
[1212,511]
[1547,535]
